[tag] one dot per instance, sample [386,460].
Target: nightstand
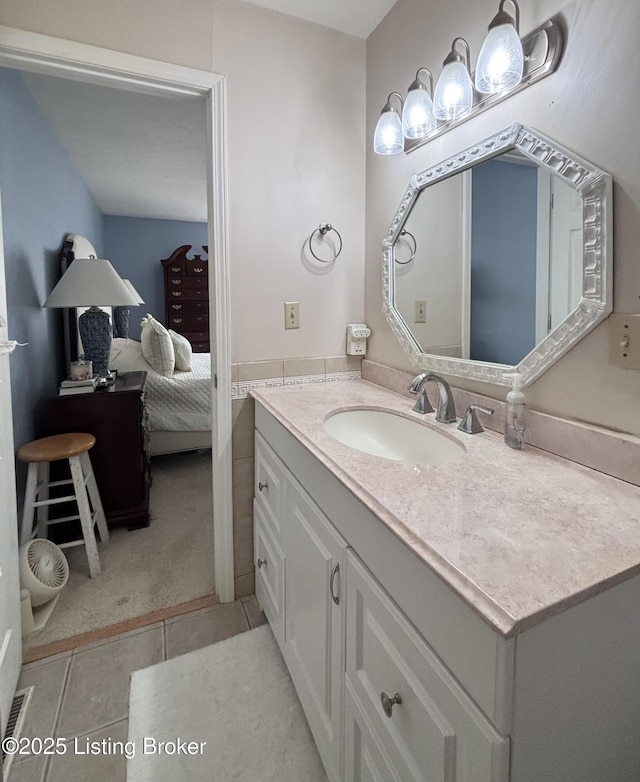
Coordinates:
[120,458]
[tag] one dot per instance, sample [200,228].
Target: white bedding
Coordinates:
[181,402]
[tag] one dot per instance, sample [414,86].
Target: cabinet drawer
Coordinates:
[269,573]
[435,731]
[269,485]
[189,307]
[175,293]
[178,283]
[183,323]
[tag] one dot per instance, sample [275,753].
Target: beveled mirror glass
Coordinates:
[499,258]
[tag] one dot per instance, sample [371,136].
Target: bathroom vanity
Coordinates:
[470,621]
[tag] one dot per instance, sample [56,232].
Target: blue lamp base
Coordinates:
[121,317]
[95,332]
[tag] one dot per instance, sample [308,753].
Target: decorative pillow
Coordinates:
[183,351]
[157,346]
[126,356]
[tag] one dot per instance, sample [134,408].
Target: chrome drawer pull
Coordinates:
[388,703]
[262,486]
[334,572]
[261,562]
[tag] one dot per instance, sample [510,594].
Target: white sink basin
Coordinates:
[392,436]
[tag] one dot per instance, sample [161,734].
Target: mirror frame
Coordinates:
[596,303]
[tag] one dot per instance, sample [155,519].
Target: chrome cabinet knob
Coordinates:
[262,486]
[388,703]
[261,562]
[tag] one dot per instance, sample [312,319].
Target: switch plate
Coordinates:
[624,340]
[292,314]
[419,311]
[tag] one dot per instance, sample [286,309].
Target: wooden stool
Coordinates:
[39,454]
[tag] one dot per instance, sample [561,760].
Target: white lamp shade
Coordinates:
[501,60]
[91,282]
[133,291]
[387,139]
[417,115]
[453,96]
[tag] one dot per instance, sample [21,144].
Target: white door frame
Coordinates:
[67,59]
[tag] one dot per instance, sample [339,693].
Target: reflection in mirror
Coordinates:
[498,258]
[499,261]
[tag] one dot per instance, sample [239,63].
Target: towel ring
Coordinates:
[413,252]
[323,229]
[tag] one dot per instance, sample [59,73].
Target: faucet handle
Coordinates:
[470,423]
[422,405]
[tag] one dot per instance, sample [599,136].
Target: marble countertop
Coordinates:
[519,535]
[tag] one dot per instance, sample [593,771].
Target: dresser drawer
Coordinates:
[196,269]
[269,561]
[177,293]
[269,485]
[435,730]
[189,307]
[184,283]
[191,323]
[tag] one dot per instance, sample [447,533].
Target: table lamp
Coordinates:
[121,315]
[93,282]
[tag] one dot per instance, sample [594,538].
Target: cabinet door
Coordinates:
[314,611]
[427,724]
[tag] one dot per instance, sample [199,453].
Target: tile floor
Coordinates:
[84,693]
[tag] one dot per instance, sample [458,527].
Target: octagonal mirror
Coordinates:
[498,259]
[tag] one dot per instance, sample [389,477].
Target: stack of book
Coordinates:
[78,386]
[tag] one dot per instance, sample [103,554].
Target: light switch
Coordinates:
[419,311]
[624,340]
[292,314]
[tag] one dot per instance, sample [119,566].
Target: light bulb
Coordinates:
[417,115]
[501,60]
[453,97]
[387,139]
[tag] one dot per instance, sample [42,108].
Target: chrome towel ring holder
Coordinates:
[413,252]
[322,230]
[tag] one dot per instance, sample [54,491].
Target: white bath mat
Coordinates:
[227,712]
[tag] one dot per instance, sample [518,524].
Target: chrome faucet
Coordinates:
[446,408]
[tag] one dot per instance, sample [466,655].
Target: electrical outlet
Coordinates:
[624,341]
[419,311]
[292,314]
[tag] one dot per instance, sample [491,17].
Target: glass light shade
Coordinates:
[453,97]
[501,60]
[417,115]
[387,139]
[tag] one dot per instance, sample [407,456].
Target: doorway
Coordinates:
[41,54]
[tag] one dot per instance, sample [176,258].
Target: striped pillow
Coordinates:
[157,346]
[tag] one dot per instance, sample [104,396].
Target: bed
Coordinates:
[178,407]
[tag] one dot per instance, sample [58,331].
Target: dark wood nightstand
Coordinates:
[120,458]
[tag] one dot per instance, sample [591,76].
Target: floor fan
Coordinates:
[44,571]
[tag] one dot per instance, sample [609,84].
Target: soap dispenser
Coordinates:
[514,422]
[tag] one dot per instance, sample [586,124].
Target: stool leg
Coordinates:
[94,495]
[26,530]
[42,512]
[85,516]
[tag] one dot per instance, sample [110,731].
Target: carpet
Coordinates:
[236,696]
[168,563]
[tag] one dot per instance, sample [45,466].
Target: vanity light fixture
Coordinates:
[453,97]
[387,140]
[501,59]
[417,115]
[506,65]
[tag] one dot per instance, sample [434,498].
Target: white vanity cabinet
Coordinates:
[345,641]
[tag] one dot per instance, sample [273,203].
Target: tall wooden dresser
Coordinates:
[186,296]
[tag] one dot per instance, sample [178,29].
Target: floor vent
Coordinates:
[15,723]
